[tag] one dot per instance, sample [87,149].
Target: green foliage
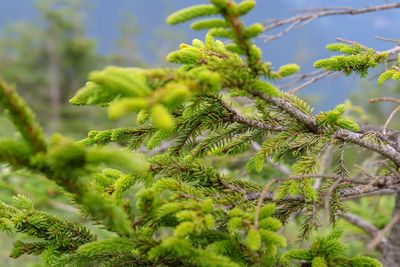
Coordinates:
[22,117]
[359,59]
[208,24]
[327,251]
[57,234]
[288,69]
[178,208]
[334,118]
[192,12]
[387,75]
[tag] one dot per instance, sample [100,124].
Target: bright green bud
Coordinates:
[209,221]
[234,224]
[255,53]
[188,158]
[184,229]
[272,237]
[221,32]
[335,46]
[267,88]
[142,116]
[184,56]
[245,7]
[191,12]
[161,118]
[91,94]
[97,248]
[234,48]
[118,159]
[220,3]
[208,24]
[232,8]
[267,210]
[236,212]
[198,43]
[348,50]
[175,94]
[219,46]
[123,81]
[288,69]
[207,205]
[396,76]
[385,76]
[340,109]
[348,124]
[209,41]
[318,262]
[120,107]
[253,31]
[364,262]
[253,239]
[186,215]
[270,224]
[211,78]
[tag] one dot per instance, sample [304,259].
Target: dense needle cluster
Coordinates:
[187,212]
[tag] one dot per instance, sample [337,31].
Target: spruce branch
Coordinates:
[240,119]
[22,117]
[342,134]
[264,192]
[287,107]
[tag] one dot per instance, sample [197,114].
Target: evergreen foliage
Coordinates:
[187,212]
[327,251]
[359,59]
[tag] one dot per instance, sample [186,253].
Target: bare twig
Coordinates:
[298,88]
[318,9]
[389,119]
[354,192]
[384,99]
[378,239]
[327,12]
[350,42]
[276,36]
[301,76]
[387,39]
[369,228]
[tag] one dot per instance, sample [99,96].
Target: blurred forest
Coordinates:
[48,61]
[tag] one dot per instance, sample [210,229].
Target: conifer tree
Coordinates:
[187,212]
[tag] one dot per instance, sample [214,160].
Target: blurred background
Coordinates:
[47,48]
